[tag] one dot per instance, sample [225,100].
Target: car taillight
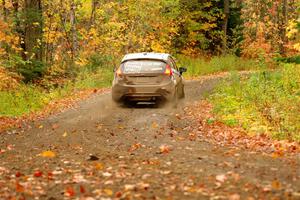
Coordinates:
[168,70]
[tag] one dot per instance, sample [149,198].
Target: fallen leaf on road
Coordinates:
[143,186]
[69,192]
[276,185]
[65,134]
[48,154]
[50,176]
[82,189]
[54,126]
[19,188]
[135,147]
[107,174]
[108,192]
[146,176]
[92,158]
[118,194]
[38,174]
[278,154]
[236,177]
[129,187]
[154,125]
[165,172]
[18,174]
[192,136]
[234,197]
[99,166]
[164,149]
[109,182]
[121,127]
[221,178]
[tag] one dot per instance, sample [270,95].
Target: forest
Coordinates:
[49,49]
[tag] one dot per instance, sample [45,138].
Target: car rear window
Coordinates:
[143,66]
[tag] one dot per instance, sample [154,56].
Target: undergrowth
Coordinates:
[29,98]
[199,66]
[266,102]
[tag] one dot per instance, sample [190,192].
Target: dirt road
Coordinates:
[99,151]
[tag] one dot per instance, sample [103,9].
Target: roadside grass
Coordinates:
[203,66]
[266,102]
[31,98]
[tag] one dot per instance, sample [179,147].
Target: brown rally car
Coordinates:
[148,77]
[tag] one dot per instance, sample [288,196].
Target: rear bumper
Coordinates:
[143,92]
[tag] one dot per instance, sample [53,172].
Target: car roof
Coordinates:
[146,55]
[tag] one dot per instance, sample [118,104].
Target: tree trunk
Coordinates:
[73,29]
[33,30]
[283,26]
[5,11]
[17,27]
[93,13]
[225,24]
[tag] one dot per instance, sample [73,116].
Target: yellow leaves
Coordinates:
[294,34]
[208,26]
[157,47]
[48,154]
[164,149]
[36,24]
[154,125]
[65,134]
[292,30]
[81,62]
[99,166]
[108,192]
[297,46]
[208,4]
[121,127]
[276,185]
[135,147]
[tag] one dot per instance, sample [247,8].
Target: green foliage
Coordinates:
[265,102]
[200,29]
[96,61]
[25,99]
[203,66]
[31,70]
[97,79]
[293,59]
[30,98]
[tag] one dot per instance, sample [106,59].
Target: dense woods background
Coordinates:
[55,38]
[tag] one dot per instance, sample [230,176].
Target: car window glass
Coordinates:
[143,66]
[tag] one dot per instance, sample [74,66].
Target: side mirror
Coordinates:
[182,70]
